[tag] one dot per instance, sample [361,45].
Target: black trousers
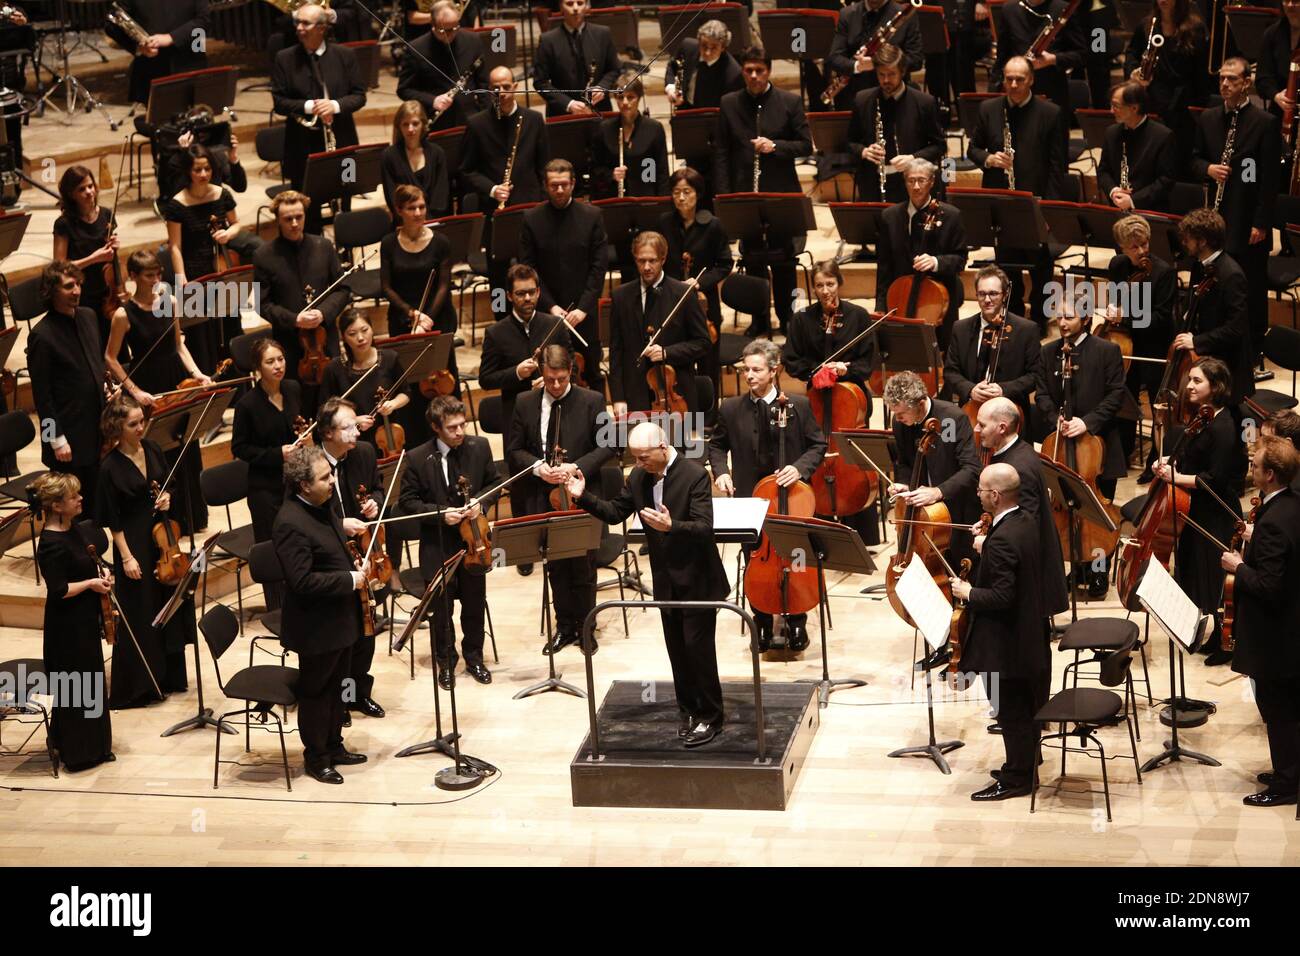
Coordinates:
[591,353]
[573,591]
[363,654]
[1254,262]
[262,507]
[1015,700]
[689,637]
[320,703]
[470,589]
[1279,705]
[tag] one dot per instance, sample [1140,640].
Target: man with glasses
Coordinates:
[1139,157]
[703,71]
[575,63]
[436,61]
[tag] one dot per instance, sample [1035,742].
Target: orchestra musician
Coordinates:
[125,504]
[1019,24]
[575,55]
[1267,614]
[703,71]
[968,357]
[671,496]
[746,431]
[1273,68]
[906,246]
[564,240]
[178,33]
[315,85]
[856,24]
[909,120]
[65,359]
[559,416]
[86,235]
[1247,201]
[1283,424]
[17,46]
[1008,643]
[430,483]
[1179,77]
[321,617]
[1137,149]
[263,435]
[1217,457]
[413,160]
[762,128]
[408,256]
[435,62]
[355,466]
[79,733]
[637,311]
[1037,133]
[359,359]
[642,164]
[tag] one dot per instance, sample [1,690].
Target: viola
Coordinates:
[441,382]
[311,367]
[379,570]
[391,437]
[924,531]
[559,496]
[687,261]
[302,430]
[1112,329]
[364,593]
[662,379]
[172,562]
[186,390]
[216,224]
[918,296]
[107,620]
[476,533]
[840,488]
[1227,639]
[959,624]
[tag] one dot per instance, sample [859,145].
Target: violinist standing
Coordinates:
[746,430]
[1221,327]
[354,465]
[429,483]
[1268,615]
[321,617]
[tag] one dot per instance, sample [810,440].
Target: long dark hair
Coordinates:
[1190,28]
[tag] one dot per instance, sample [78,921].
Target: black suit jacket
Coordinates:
[951,466]
[505,345]
[358,468]
[1034,502]
[729,76]
[437,67]
[567,248]
[293,83]
[183,20]
[1246,204]
[1152,332]
[684,559]
[685,341]
[946,241]
[556,70]
[424,489]
[485,149]
[1274,63]
[646,159]
[911,125]
[1019,363]
[1038,136]
[282,269]
[1008,631]
[1152,163]
[1222,327]
[65,359]
[737,432]
[710,250]
[783,121]
[856,24]
[1267,599]
[321,610]
[582,419]
[1098,387]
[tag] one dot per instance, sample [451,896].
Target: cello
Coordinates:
[913,538]
[311,367]
[840,488]
[1171,407]
[995,335]
[918,296]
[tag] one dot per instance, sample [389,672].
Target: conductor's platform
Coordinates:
[644,764]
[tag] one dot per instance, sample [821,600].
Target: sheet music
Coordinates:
[926,603]
[1174,611]
[729,515]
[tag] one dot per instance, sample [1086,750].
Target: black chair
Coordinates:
[17,673]
[613,547]
[269,145]
[261,688]
[16,433]
[356,230]
[1102,636]
[491,417]
[1281,346]
[264,568]
[26,302]
[223,485]
[1087,710]
[747,295]
[241,350]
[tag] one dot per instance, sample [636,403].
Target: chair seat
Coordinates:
[1283,271]
[1272,401]
[365,284]
[1098,633]
[273,191]
[22,665]
[271,621]
[1081,705]
[237,542]
[412,580]
[1131,509]
[16,488]
[264,684]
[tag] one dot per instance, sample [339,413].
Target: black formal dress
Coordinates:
[403,276]
[685,566]
[125,505]
[706,243]
[72,646]
[1034,502]
[199,257]
[185,21]
[905,237]
[634,318]
[1221,327]
[1152,153]
[65,358]
[910,122]
[646,158]
[431,178]
[566,61]
[431,67]
[1019,366]
[1017,28]
[83,239]
[1181,80]
[506,343]
[856,24]
[341,375]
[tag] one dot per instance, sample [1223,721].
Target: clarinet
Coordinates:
[1226,158]
[758,160]
[1007,148]
[622,183]
[880,138]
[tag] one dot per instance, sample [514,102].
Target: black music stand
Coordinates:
[626,217]
[859,224]
[550,537]
[170,95]
[324,179]
[463,232]
[677,23]
[835,546]
[870,449]
[761,220]
[416,363]
[450,141]
[1001,218]
[568,137]
[1066,486]
[171,427]
[907,347]
[622,23]
[1093,124]
[12,229]
[1164,235]
[1248,25]
[693,132]
[830,131]
[1174,751]
[506,225]
[803,35]
[507,55]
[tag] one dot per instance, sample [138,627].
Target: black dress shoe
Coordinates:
[479,673]
[346,758]
[559,642]
[764,637]
[524,569]
[995,728]
[445,677]
[324,774]
[368,707]
[1098,584]
[1217,657]
[754,332]
[798,637]
[1266,778]
[702,733]
[1269,798]
[1146,477]
[684,725]
[998,790]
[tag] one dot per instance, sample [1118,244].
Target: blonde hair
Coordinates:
[52,487]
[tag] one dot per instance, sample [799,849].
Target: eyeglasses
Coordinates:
[988,295]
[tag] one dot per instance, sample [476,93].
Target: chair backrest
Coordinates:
[220,627]
[746,294]
[704,391]
[365,227]
[241,349]
[224,484]
[269,144]
[1282,347]
[25,300]
[264,563]
[491,417]
[16,432]
[611,481]
[1114,666]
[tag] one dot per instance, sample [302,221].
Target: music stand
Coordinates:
[568,137]
[858,223]
[171,95]
[622,23]
[508,52]
[869,449]
[1164,234]
[814,30]
[1001,218]
[830,132]
[464,233]
[170,428]
[1080,224]
[624,218]
[553,536]
[1093,124]
[693,132]
[412,357]
[324,180]
[450,141]
[506,225]
[907,345]
[677,23]
[12,229]
[1069,488]
[759,219]
[835,546]
[1248,24]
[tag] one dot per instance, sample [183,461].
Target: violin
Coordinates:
[379,571]
[662,379]
[302,431]
[559,496]
[365,594]
[1227,640]
[840,488]
[918,296]
[441,382]
[311,367]
[1112,329]
[996,332]
[105,602]
[391,438]
[186,390]
[772,584]
[215,225]
[924,532]
[476,533]
[172,562]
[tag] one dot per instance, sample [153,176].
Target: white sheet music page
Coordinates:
[926,603]
[730,514]
[1174,610]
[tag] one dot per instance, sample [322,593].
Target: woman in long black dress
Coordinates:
[414,161]
[160,359]
[262,436]
[81,235]
[81,732]
[360,359]
[644,168]
[1217,456]
[408,258]
[126,505]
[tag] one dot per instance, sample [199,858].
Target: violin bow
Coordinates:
[170,330]
[477,499]
[346,272]
[855,340]
[392,483]
[185,447]
[397,382]
[1205,486]
[691,286]
[112,593]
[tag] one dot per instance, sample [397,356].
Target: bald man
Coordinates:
[672,497]
[1007,644]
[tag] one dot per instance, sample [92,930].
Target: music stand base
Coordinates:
[1187,714]
[202,719]
[453,778]
[439,745]
[1172,753]
[934,751]
[551,683]
[828,685]
[873,589]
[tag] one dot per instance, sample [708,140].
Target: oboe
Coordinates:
[880,138]
[1226,158]
[758,160]
[1123,167]
[510,160]
[1009,149]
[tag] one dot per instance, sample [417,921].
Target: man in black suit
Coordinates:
[671,496]
[906,247]
[1139,158]
[321,614]
[65,359]
[1019,23]
[177,41]
[746,429]
[910,122]
[437,61]
[997,432]
[559,415]
[489,137]
[355,467]
[431,482]
[1273,69]
[857,23]
[318,83]
[703,71]
[1250,183]
[284,269]
[762,128]
[575,55]
[1268,615]
[564,240]
[969,358]
[1221,327]
[1008,643]
[1035,163]
[637,311]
